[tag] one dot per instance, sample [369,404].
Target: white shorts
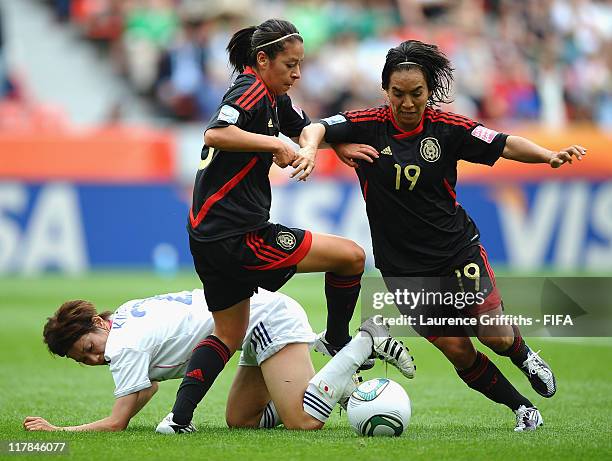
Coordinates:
[272,327]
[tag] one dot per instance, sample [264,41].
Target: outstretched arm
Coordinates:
[124,409]
[526,151]
[312,137]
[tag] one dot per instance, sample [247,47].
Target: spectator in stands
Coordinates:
[150,26]
[182,83]
[561,45]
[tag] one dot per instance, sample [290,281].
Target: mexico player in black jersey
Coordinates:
[407,167]
[235,248]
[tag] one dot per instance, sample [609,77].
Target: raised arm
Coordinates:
[124,409]
[525,151]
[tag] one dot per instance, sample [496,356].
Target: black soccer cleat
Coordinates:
[539,374]
[527,419]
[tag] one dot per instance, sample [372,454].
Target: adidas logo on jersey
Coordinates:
[270,124]
[386,151]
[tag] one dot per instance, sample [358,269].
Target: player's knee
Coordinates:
[463,358]
[303,422]
[241,424]
[237,421]
[459,351]
[356,258]
[497,343]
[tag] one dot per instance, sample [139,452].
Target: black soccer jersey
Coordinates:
[416,224]
[231,195]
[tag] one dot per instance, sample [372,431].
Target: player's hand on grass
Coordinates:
[566,155]
[283,155]
[350,153]
[36,423]
[304,163]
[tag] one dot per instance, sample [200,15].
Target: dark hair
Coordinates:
[245,43]
[433,63]
[71,321]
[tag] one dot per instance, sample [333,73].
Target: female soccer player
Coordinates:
[235,249]
[407,155]
[150,340]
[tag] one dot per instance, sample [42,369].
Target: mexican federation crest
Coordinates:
[286,240]
[430,149]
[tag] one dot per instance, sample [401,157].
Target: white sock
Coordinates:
[269,418]
[326,387]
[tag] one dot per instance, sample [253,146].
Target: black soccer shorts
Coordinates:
[466,288]
[233,268]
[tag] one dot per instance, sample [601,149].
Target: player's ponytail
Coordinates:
[270,37]
[239,48]
[430,60]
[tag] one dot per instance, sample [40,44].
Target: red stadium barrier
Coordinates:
[113,154]
[596,165]
[126,154]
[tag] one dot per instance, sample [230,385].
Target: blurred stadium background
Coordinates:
[102,106]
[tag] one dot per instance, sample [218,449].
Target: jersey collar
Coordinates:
[248,70]
[406,134]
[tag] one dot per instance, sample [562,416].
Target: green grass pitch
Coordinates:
[449,421]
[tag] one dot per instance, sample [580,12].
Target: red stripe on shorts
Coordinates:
[293,259]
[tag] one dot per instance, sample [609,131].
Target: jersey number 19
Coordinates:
[411,172]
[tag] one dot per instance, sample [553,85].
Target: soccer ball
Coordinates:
[379,407]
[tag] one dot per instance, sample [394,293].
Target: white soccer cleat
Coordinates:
[539,374]
[528,419]
[389,349]
[168,426]
[321,345]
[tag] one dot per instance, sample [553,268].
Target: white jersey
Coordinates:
[152,339]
